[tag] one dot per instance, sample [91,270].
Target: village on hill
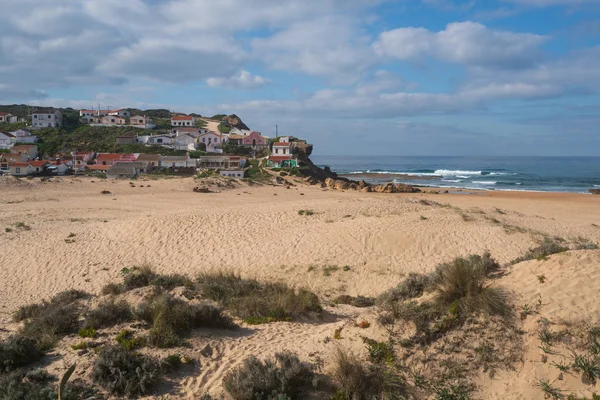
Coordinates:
[166,144]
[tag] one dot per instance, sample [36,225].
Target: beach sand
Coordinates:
[256,231]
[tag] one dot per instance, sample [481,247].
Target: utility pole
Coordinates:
[276,131]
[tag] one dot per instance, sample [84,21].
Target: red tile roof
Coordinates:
[286,144]
[3,114]
[109,156]
[182,118]
[280,158]
[98,167]
[32,163]
[23,147]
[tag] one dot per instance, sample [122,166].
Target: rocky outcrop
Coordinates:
[344,184]
[595,191]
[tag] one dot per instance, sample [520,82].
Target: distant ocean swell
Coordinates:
[544,174]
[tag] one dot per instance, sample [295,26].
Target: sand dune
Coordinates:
[257,232]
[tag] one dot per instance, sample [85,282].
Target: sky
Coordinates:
[354,77]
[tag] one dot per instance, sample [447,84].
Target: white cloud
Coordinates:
[468,43]
[242,80]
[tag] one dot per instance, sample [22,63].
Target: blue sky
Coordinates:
[391,77]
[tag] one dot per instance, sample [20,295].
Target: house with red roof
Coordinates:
[281,156]
[27,151]
[255,139]
[113,120]
[183,120]
[5,117]
[110,158]
[7,159]
[28,168]
[193,131]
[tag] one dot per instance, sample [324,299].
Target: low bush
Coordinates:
[359,301]
[357,380]
[108,313]
[39,385]
[253,300]
[412,287]
[144,276]
[128,341]
[61,299]
[547,247]
[49,326]
[17,351]
[462,286]
[88,332]
[281,377]
[172,319]
[124,373]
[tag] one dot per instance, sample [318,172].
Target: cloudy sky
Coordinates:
[393,77]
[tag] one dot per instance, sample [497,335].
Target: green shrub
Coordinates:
[463,285]
[88,332]
[248,298]
[54,322]
[17,351]
[357,381]
[172,319]
[412,287]
[108,313]
[38,385]
[172,362]
[128,341]
[61,299]
[144,276]
[546,248]
[379,351]
[281,377]
[124,373]
[359,301]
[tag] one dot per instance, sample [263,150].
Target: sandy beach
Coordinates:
[257,231]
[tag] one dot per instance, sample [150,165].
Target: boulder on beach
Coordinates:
[595,191]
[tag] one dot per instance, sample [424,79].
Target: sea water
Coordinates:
[545,174]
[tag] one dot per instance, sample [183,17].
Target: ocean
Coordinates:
[541,174]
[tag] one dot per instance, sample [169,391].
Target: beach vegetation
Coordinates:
[588,366]
[80,345]
[7,229]
[547,247]
[108,313]
[358,301]
[306,212]
[129,341]
[37,384]
[172,319]
[23,226]
[283,376]
[250,299]
[357,380]
[412,287]
[549,390]
[379,352]
[143,276]
[18,351]
[88,332]
[125,373]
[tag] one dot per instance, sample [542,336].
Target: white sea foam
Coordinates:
[449,172]
[485,182]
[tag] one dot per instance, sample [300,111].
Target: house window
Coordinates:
[158,140]
[276,151]
[37,170]
[18,170]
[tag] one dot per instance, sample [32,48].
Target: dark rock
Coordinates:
[595,191]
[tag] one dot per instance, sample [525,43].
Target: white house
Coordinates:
[143,122]
[235,173]
[241,132]
[161,140]
[46,119]
[5,117]
[121,112]
[27,151]
[194,131]
[24,136]
[176,161]
[185,142]
[28,168]
[59,167]
[88,113]
[112,120]
[183,120]
[7,140]
[211,139]
[282,149]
